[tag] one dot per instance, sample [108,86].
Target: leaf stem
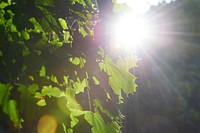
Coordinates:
[89,99]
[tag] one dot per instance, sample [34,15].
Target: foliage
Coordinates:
[51,65]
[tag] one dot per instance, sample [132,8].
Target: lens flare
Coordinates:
[131,31]
[47,124]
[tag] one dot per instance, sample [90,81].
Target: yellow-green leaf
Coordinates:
[41,102]
[96,81]
[63,23]
[42,71]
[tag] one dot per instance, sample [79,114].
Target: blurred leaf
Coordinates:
[54,79]
[75,61]
[37,26]
[67,37]
[42,41]
[25,51]
[82,62]
[74,121]
[31,77]
[38,95]
[42,71]
[82,31]
[96,81]
[89,117]
[9,106]
[1,53]
[4,93]
[3,5]
[13,28]
[44,2]
[51,91]
[71,101]
[63,23]
[33,88]
[74,114]
[25,35]
[99,126]
[69,130]
[80,86]
[64,127]
[122,7]
[27,99]
[13,112]
[41,102]
[65,79]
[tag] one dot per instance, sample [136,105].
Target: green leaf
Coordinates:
[3,5]
[25,51]
[1,53]
[74,121]
[9,106]
[64,127]
[82,62]
[27,99]
[41,102]
[99,126]
[69,130]
[13,28]
[75,61]
[42,71]
[71,101]
[37,26]
[31,78]
[25,35]
[119,76]
[13,112]
[51,91]
[42,41]
[113,127]
[44,2]
[38,95]
[82,31]
[4,93]
[74,113]
[80,86]
[56,43]
[89,117]
[54,79]
[33,88]
[67,37]
[63,23]
[96,81]
[65,80]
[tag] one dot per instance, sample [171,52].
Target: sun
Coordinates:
[131,31]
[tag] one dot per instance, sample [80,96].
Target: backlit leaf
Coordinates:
[63,23]
[83,32]
[3,5]
[13,112]
[41,102]
[42,71]
[96,81]
[25,35]
[50,91]
[75,61]
[80,86]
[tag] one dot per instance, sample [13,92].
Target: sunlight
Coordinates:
[131,31]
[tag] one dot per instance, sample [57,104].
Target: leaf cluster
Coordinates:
[50,65]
